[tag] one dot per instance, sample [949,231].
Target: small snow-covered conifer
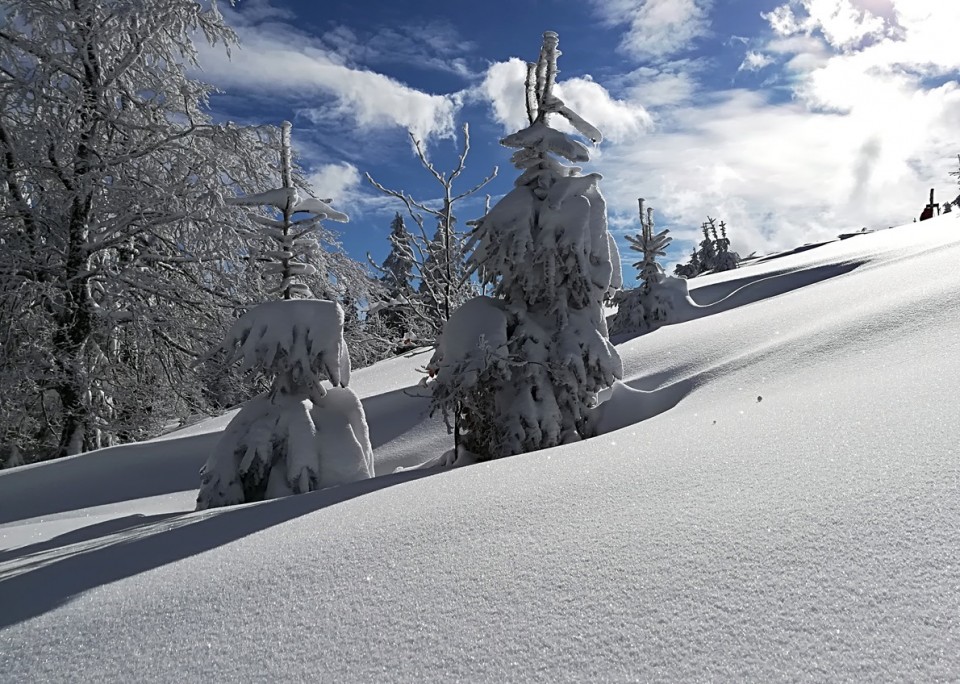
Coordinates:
[708,246]
[519,370]
[725,260]
[300,436]
[713,254]
[647,307]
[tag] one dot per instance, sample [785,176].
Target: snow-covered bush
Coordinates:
[525,372]
[471,357]
[300,436]
[649,306]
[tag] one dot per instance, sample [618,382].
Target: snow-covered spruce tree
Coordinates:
[691,269]
[520,370]
[392,311]
[713,255]
[647,307]
[114,233]
[708,246]
[300,436]
[725,260]
[438,260]
[398,266]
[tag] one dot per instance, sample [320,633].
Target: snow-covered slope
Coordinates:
[790,510]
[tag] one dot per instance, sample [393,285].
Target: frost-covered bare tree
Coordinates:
[118,254]
[520,370]
[437,258]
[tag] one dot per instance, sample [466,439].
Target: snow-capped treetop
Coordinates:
[293,243]
[301,338]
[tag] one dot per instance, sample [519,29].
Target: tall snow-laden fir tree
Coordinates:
[519,371]
[437,260]
[118,254]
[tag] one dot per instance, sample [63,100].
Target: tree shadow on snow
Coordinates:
[146,469]
[50,574]
[107,476]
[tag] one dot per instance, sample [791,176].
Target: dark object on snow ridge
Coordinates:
[927,212]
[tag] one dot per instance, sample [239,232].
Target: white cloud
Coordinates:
[781,175]
[755,61]
[617,119]
[870,127]
[433,45]
[668,85]
[657,28]
[336,181]
[276,59]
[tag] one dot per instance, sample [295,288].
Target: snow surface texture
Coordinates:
[795,515]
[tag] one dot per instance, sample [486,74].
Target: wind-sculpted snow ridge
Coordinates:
[792,516]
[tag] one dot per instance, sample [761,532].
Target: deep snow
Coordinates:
[789,510]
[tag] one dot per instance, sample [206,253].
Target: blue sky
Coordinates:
[793,120]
